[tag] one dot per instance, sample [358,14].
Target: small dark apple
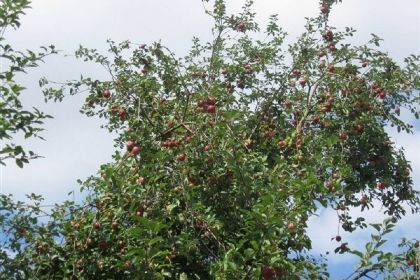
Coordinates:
[302,82]
[106,93]
[268,272]
[282,144]
[201,103]
[380,185]
[382,94]
[136,150]
[324,9]
[121,112]
[181,157]
[211,100]
[342,136]
[211,109]
[241,26]
[291,227]
[359,128]
[130,145]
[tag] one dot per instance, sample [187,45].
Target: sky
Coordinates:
[75,145]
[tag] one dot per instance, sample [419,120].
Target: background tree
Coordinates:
[225,155]
[15,119]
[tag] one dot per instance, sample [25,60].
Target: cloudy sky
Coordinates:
[76,145]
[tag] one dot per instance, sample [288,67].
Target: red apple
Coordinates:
[268,272]
[121,112]
[342,136]
[140,180]
[359,128]
[329,35]
[201,103]
[397,110]
[241,26]
[380,185]
[364,64]
[211,109]
[324,8]
[106,93]
[302,82]
[338,238]
[130,144]
[102,245]
[181,157]
[136,150]
[291,227]
[331,47]
[211,100]
[97,225]
[282,144]
[382,94]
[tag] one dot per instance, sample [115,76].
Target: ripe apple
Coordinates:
[181,157]
[329,35]
[282,144]
[136,150]
[130,144]
[201,103]
[291,226]
[211,100]
[268,272]
[382,94]
[338,238]
[121,112]
[315,119]
[102,245]
[380,185]
[296,73]
[106,93]
[140,180]
[97,225]
[207,147]
[324,8]
[211,109]
[331,47]
[364,64]
[114,224]
[321,54]
[359,128]
[241,26]
[397,110]
[302,82]
[342,136]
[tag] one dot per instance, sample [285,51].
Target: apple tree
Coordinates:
[222,156]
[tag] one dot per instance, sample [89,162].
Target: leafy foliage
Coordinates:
[14,118]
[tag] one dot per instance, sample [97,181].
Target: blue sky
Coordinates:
[76,146]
